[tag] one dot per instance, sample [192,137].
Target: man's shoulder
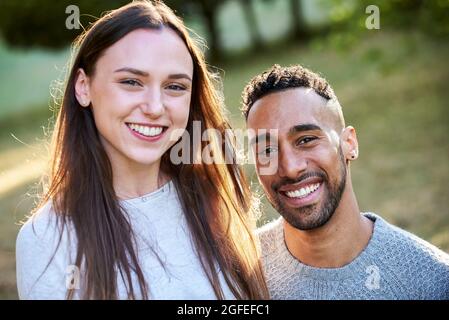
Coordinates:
[271,236]
[392,237]
[417,260]
[270,229]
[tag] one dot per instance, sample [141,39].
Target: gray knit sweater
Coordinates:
[394,265]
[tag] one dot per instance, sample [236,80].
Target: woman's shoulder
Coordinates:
[44,232]
[42,256]
[40,228]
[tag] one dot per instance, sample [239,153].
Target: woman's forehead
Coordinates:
[149,50]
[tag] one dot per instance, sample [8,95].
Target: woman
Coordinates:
[120,220]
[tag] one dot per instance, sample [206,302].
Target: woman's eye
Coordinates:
[131,82]
[176,87]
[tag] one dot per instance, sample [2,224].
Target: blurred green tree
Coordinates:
[430,16]
[251,21]
[35,23]
[300,30]
[31,23]
[209,10]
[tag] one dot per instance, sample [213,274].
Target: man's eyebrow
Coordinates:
[303,127]
[262,136]
[134,71]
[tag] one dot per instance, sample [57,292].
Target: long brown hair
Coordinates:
[215,197]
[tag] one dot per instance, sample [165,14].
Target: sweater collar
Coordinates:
[360,264]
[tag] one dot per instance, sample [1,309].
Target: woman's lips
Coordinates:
[149,133]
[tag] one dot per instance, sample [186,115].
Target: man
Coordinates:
[322,247]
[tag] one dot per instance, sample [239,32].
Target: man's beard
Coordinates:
[312,217]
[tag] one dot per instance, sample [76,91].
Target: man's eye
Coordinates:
[267,151]
[131,82]
[306,140]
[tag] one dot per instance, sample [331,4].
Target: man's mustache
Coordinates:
[285,181]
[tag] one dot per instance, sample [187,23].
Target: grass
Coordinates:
[21,165]
[393,88]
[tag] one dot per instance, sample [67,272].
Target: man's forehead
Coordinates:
[302,96]
[286,108]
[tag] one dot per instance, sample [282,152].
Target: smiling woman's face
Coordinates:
[140,93]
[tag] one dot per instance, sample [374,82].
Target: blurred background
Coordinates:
[392,83]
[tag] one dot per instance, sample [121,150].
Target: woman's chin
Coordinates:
[143,158]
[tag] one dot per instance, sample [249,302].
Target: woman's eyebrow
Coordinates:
[133,70]
[180,76]
[146,74]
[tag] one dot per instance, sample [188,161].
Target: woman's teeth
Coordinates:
[145,130]
[303,192]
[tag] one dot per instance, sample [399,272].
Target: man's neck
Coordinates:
[335,244]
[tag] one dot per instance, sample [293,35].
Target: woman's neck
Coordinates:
[132,180]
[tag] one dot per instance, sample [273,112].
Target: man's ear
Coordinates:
[82,91]
[349,143]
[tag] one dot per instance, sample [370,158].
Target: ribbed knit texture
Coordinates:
[394,265]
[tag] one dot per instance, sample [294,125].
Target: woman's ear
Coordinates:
[82,92]
[349,143]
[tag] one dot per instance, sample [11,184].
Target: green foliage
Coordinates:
[430,16]
[348,22]
[36,23]
[29,23]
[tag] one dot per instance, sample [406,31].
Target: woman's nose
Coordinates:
[153,105]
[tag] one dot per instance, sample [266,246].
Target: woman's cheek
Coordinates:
[181,112]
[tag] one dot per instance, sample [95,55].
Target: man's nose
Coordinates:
[291,164]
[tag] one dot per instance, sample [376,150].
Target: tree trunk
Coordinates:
[299,26]
[210,13]
[251,22]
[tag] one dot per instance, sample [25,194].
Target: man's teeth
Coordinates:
[303,192]
[145,130]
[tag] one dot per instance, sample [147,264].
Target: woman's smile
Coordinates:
[147,132]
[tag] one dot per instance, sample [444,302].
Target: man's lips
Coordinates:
[302,184]
[303,193]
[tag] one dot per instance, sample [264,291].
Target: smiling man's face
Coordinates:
[311,173]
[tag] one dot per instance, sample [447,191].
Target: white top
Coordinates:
[158,222]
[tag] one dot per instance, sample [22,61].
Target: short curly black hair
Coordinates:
[278,78]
